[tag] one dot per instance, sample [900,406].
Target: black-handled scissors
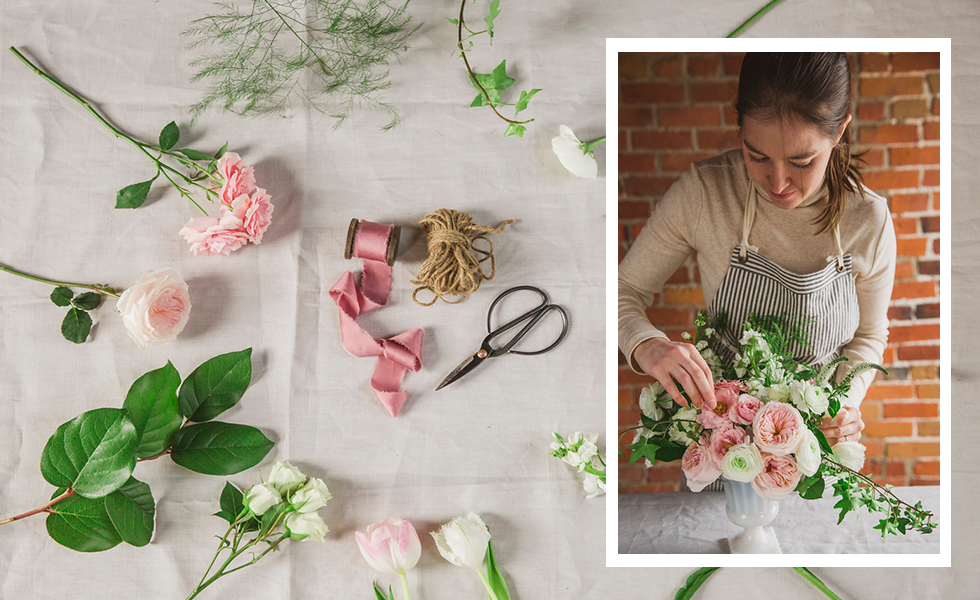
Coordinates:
[487,350]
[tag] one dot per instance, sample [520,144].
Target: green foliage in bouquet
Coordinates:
[90,460]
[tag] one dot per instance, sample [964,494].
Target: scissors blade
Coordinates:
[464,367]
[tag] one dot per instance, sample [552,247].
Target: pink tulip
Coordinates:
[391,546]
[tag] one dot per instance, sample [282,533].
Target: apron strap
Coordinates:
[840,251]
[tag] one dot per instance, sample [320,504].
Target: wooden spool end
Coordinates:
[392,242]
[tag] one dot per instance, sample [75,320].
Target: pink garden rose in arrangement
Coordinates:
[764,429]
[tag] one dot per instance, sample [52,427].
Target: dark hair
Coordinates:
[816,88]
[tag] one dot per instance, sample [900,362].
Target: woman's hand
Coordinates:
[845,427]
[668,361]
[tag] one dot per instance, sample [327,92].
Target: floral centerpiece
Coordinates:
[764,428]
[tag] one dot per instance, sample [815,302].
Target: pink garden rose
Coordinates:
[778,428]
[155,308]
[778,478]
[698,466]
[209,236]
[726,394]
[721,440]
[744,409]
[255,212]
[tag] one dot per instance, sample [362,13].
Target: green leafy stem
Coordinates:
[133,196]
[755,17]
[697,579]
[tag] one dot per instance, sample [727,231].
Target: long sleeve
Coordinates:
[661,248]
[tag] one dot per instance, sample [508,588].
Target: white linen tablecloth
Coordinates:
[479,445]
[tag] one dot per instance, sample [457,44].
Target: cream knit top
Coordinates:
[702,212]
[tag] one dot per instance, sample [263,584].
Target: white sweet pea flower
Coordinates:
[311,497]
[306,527]
[463,541]
[808,454]
[574,154]
[593,485]
[286,478]
[648,402]
[261,497]
[850,454]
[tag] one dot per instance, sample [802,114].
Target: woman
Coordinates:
[781,227]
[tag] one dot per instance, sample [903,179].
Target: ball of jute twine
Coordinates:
[452,268]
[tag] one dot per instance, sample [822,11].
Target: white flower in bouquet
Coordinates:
[808,454]
[850,454]
[752,338]
[808,397]
[778,393]
[593,485]
[648,402]
[684,431]
[742,463]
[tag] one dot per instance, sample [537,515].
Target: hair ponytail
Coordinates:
[842,176]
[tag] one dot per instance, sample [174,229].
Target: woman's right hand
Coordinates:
[668,361]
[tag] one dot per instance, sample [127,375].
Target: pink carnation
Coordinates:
[698,466]
[239,178]
[726,394]
[255,212]
[723,439]
[778,428]
[209,236]
[744,409]
[778,478]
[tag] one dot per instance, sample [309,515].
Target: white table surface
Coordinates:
[479,445]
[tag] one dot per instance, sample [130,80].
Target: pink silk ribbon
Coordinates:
[395,354]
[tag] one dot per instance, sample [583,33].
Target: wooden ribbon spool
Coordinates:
[392,249]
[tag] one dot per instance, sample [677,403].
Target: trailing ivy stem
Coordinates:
[758,14]
[404,578]
[817,583]
[462,53]
[879,489]
[68,492]
[95,287]
[483,578]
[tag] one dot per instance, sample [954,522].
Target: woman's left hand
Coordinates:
[845,427]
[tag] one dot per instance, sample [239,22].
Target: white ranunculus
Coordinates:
[573,157]
[261,497]
[808,454]
[593,486]
[286,478]
[850,454]
[306,527]
[311,497]
[778,392]
[648,402]
[155,308]
[742,463]
[692,430]
[463,541]
[808,397]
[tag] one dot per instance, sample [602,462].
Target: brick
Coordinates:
[664,472]
[622,232]
[935,246]
[904,270]
[930,224]
[871,111]
[638,163]
[652,93]
[631,416]
[888,429]
[631,473]
[634,210]
[622,254]
[873,468]
[926,155]
[918,332]
[933,80]
[899,313]
[918,353]
[915,61]
[930,130]
[650,488]
[681,162]
[894,374]
[713,91]
[635,116]
[927,311]
[910,108]
[627,376]
[873,449]
[935,200]
[732,62]
[935,107]
[890,392]
[702,64]
[903,203]
[903,225]
[912,449]
[914,289]
[930,178]
[911,246]
[690,296]
[888,134]
[929,267]
[668,66]
[633,65]
[718,139]
[896,468]
[888,356]
[731,117]
[624,139]
[928,429]
[891,180]
[927,467]
[924,372]
[872,87]
[680,276]
[635,230]
[648,186]
[688,116]
[874,157]
[908,410]
[924,481]
[874,62]
[927,390]
[625,397]
[662,140]
[870,411]
[670,317]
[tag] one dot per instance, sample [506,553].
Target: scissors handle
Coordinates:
[535,315]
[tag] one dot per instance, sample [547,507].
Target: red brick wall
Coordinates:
[676,108]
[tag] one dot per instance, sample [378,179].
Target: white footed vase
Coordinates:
[751,512]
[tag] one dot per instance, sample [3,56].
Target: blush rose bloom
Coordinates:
[726,395]
[780,476]
[255,213]
[721,440]
[155,309]
[698,466]
[778,428]
[209,236]
[391,546]
[238,177]
[744,409]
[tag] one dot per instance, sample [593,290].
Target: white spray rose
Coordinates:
[850,454]
[742,463]
[286,478]
[306,527]
[463,541]
[808,397]
[155,308]
[808,454]
[261,498]
[311,497]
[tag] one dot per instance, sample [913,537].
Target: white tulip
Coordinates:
[463,541]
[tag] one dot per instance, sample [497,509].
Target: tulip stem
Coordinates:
[69,492]
[817,583]
[95,287]
[405,585]
[486,584]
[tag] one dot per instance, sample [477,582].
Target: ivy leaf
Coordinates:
[87,301]
[647,450]
[216,385]
[515,129]
[133,196]
[670,452]
[886,526]
[493,83]
[219,448]
[93,454]
[131,510]
[152,405]
[62,296]
[76,326]
[494,13]
[195,154]
[848,502]
[524,99]
[82,524]
[496,580]
[169,136]
[814,489]
[453,21]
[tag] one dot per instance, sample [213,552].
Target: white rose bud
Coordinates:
[742,463]
[463,541]
[850,454]
[311,497]
[261,498]
[306,527]
[286,478]
[808,454]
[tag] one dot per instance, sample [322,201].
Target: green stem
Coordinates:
[817,583]
[95,287]
[589,145]
[68,492]
[486,584]
[758,14]
[405,585]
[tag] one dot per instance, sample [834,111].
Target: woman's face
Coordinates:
[786,157]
